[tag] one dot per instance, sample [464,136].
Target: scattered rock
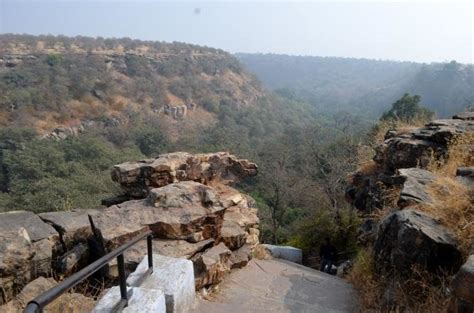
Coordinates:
[409,237]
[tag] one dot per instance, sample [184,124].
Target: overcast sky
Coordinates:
[414,31]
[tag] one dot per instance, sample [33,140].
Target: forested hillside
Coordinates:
[362,86]
[48,81]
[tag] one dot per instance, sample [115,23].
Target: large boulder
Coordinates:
[410,237]
[138,178]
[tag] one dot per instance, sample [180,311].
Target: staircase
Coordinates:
[169,288]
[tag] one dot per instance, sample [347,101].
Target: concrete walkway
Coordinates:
[280,286]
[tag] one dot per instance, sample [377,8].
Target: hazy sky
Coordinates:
[417,31]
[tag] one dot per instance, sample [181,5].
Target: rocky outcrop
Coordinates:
[138,178]
[184,199]
[409,237]
[416,147]
[416,234]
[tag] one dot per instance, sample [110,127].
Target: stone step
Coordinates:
[170,288]
[140,300]
[173,276]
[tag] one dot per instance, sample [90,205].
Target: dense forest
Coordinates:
[365,87]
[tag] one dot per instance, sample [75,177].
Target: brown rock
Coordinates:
[138,178]
[72,226]
[176,211]
[240,257]
[232,235]
[211,266]
[34,226]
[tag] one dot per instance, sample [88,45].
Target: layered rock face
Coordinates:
[401,182]
[184,199]
[138,178]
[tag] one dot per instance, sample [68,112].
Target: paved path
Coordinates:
[280,286]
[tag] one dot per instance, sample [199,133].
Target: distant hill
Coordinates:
[364,86]
[50,81]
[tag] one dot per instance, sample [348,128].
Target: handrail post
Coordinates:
[123,281]
[150,251]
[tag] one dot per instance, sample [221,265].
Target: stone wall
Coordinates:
[184,199]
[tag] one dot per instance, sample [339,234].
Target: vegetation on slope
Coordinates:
[52,81]
[362,86]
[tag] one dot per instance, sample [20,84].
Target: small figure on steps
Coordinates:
[327,253]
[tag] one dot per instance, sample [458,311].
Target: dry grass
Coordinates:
[453,205]
[421,293]
[364,280]
[401,127]
[461,153]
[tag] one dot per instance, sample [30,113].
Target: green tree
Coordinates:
[407,109]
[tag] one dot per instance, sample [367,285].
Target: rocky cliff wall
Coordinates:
[417,200]
[184,199]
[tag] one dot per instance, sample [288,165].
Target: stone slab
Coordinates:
[285,252]
[280,286]
[174,276]
[35,227]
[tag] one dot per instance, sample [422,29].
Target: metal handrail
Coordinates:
[37,304]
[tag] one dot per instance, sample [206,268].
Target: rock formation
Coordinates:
[401,182]
[184,199]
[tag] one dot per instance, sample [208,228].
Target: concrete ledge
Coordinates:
[140,301]
[174,276]
[285,252]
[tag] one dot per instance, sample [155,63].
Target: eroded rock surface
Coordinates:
[138,178]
